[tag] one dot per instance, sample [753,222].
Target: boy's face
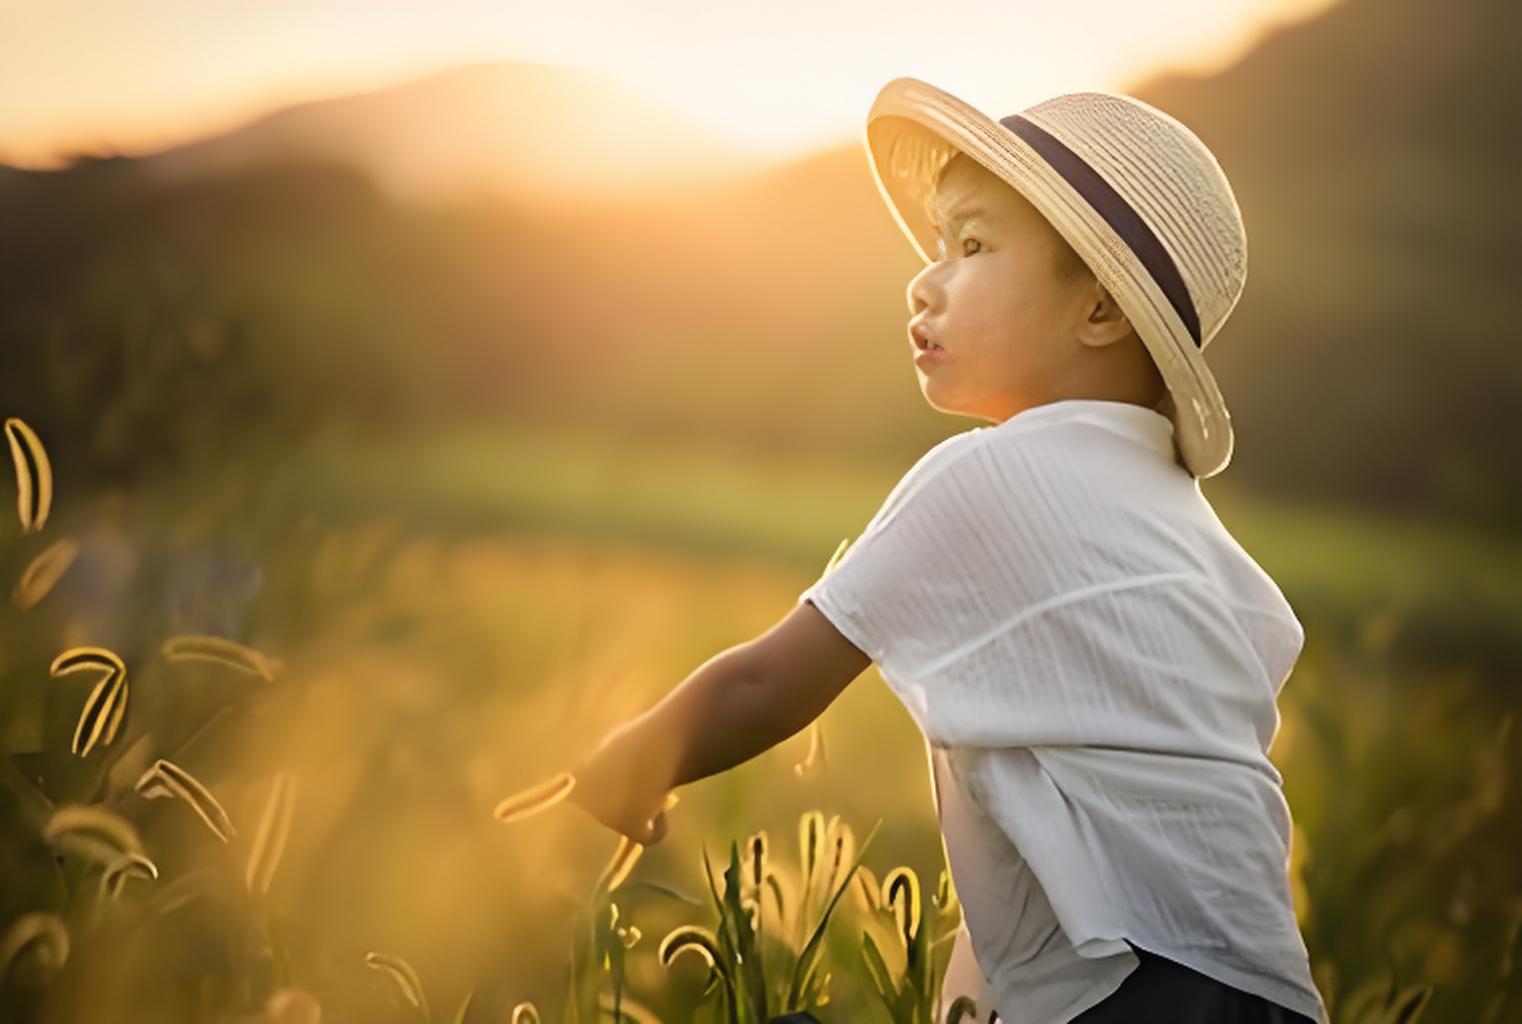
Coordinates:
[1007,300]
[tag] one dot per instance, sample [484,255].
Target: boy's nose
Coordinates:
[922,289]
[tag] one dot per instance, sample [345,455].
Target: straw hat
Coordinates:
[1136,194]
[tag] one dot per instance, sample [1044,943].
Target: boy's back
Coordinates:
[1094,662]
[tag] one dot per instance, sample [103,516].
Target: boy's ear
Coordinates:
[1103,322]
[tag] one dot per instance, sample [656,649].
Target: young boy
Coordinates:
[1092,658]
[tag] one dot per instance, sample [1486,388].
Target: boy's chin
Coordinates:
[945,410]
[934,392]
[941,405]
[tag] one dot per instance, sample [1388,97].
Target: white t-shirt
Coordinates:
[1094,663]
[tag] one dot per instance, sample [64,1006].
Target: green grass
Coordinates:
[1454,591]
[457,613]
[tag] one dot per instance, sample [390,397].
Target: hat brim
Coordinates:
[913,129]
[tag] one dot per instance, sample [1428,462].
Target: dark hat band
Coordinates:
[1123,220]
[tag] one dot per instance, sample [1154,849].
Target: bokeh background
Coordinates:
[493,367]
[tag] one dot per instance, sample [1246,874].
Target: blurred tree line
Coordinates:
[155,323]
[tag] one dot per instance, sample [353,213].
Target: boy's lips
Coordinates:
[921,337]
[929,357]
[928,350]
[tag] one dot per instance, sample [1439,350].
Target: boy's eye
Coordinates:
[940,245]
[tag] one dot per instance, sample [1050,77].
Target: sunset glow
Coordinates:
[777,79]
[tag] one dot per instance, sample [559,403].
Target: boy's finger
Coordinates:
[655,829]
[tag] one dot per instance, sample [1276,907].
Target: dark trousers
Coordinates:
[1163,991]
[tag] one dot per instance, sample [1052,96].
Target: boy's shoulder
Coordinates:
[944,453]
[968,453]
[1073,453]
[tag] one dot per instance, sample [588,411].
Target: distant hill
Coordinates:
[497,128]
[1374,151]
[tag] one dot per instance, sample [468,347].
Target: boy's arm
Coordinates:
[734,706]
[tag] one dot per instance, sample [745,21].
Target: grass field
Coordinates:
[456,615]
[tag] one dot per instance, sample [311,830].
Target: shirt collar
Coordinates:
[1138,422]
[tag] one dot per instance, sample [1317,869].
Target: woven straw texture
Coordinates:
[1158,167]
[1171,178]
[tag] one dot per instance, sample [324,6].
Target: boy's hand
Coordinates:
[734,706]
[614,786]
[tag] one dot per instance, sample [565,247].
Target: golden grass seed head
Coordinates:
[402,976]
[43,572]
[752,908]
[114,877]
[86,658]
[271,835]
[840,550]
[164,778]
[962,1006]
[93,832]
[841,842]
[782,896]
[690,938]
[623,861]
[536,798]
[755,860]
[943,889]
[815,751]
[901,892]
[220,651]
[34,474]
[118,715]
[34,949]
[811,829]
[98,711]
[822,991]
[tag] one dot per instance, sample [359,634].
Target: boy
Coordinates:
[1091,657]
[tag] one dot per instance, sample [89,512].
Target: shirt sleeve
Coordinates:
[932,570]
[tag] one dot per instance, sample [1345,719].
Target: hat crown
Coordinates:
[1136,194]
[1167,174]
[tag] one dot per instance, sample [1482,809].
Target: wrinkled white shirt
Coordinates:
[1094,663]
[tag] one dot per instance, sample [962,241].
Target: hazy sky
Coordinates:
[779,77]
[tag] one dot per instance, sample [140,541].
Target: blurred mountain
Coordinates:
[261,282]
[1373,151]
[499,128]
